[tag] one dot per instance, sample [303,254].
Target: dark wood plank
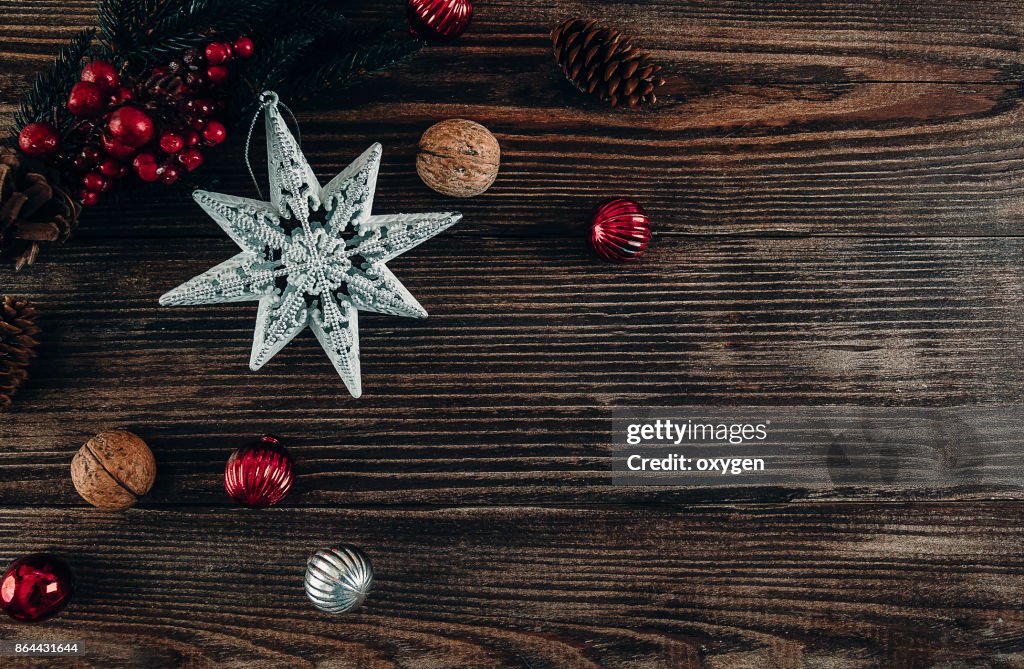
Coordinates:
[807,585]
[504,394]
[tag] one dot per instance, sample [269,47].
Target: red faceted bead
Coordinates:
[620,230]
[214,133]
[438,19]
[218,52]
[190,158]
[131,126]
[36,587]
[101,73]
[38,140]
[259,475]
[244,47]
[217,74]
[86,100]
[171,142]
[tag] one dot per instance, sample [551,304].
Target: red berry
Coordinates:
[217,74]
[38,140]
[218,52]
[131,126]
[145,167]
[116,149]
[191,138]
[169,174]
[101,73]
[244,47]
[88,197]
[191,159]
[112,169]
[214,133]
[203,107]
[119,97]
[96,182]
[86,100]
[171,142]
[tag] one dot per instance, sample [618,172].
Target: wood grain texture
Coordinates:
[505,393]
[801,586]
[836,189]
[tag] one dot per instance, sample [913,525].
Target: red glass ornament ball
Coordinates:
[131,126]
[214,133]
[86,100]
[36,587]
[190,159]
[117,149]
[438,19]
[259,475]
[96,182]
[145,167]
[217,74]
[38,140]
[101,73]
[244,47]
[620,230]
[171,142]
[218,52]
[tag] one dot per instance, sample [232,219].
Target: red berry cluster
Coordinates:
[154,128]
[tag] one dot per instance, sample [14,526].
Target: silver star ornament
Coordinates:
[311,256]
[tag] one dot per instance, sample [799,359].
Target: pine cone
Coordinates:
[18,332]
[603,62]
[33,208]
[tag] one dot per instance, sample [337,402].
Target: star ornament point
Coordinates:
[313,256]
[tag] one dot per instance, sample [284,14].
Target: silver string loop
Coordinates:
[267,99]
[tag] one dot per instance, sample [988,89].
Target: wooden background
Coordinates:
[837,194]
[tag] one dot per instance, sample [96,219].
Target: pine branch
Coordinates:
[50,89]
[177,30]
[122,23]
[342,67]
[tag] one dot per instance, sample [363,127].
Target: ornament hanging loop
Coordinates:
[267,99]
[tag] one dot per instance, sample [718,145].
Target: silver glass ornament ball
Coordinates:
[338,579]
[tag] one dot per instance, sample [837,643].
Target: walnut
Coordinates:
[113,470]
[459,158]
